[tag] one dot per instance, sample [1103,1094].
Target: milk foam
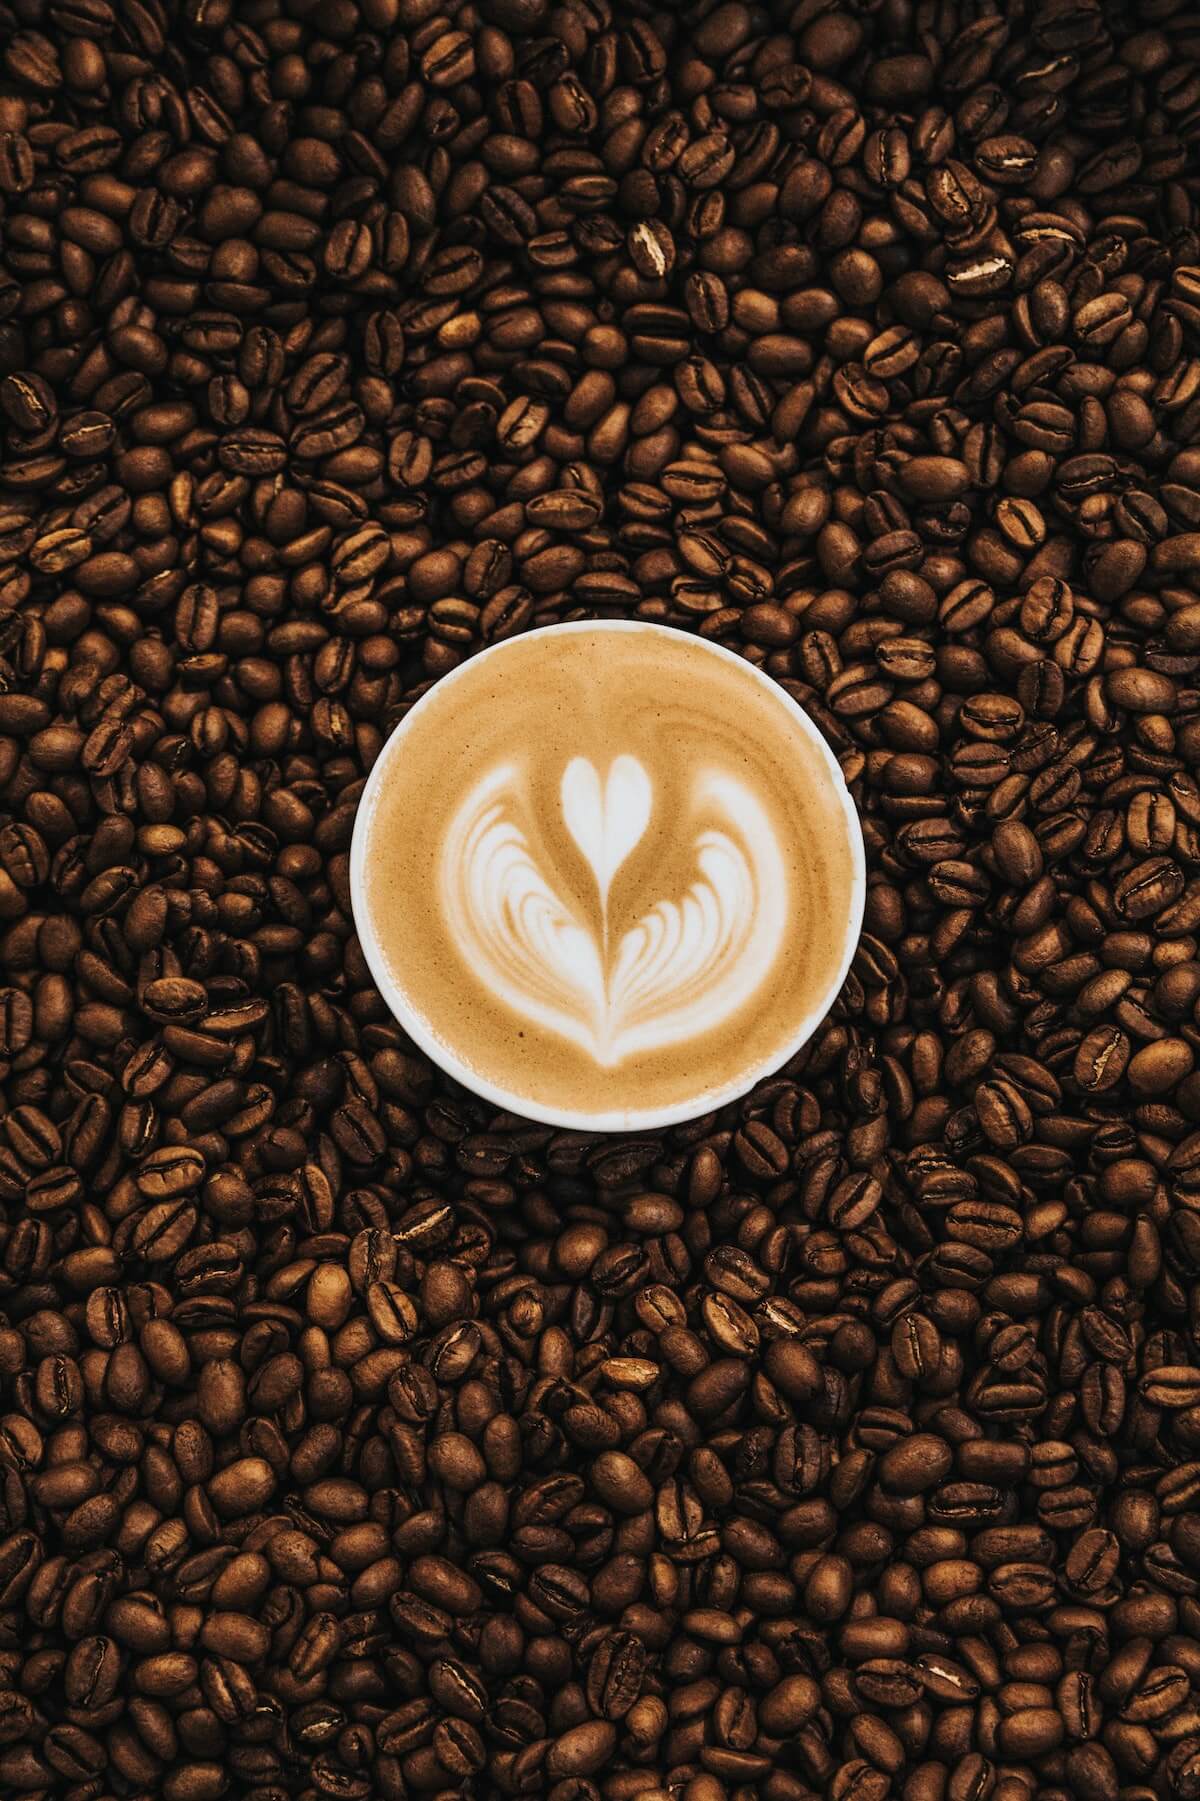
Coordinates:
[686,964]
[603,873]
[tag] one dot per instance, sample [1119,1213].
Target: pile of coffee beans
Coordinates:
[356,1442]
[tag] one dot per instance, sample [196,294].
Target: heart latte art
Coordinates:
[604,873]
[680,970]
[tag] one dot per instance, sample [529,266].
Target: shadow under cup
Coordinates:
[608,875]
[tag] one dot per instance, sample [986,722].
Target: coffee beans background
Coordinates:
[355,1442]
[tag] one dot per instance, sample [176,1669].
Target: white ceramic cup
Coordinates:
[511,1100]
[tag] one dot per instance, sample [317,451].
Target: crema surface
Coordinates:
[608,871]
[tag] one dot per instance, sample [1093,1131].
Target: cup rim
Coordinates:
[621,1119]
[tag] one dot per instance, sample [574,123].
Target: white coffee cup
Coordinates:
[417,1025]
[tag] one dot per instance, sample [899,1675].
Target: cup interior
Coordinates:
[418,1028]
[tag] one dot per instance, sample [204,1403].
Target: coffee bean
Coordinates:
[840,1442]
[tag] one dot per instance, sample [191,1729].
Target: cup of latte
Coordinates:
[607,875]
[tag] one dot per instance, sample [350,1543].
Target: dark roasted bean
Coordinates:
[356,1439]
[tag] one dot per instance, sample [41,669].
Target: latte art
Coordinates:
[677,972]
[607,875]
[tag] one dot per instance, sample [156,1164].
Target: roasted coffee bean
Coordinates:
[357,1439]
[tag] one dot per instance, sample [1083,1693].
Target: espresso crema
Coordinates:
[607,873]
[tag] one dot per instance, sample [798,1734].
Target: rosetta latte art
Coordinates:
[685,966]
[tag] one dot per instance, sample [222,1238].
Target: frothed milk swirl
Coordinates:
[607,873]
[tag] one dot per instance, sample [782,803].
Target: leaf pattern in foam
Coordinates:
[683,969]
